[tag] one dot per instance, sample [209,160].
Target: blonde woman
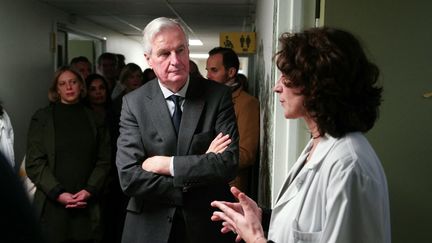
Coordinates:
[68,159]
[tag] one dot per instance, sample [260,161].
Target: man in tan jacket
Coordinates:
[222,67]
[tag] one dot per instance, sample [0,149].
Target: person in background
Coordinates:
[6,137]
[130,79]
[120,64]
[148,74]
[108,67]
[113,201]
[98,98]
[194,70]
[68,159]
[82,65]
[166,129]
[243,80]
[336,192]
[222,66]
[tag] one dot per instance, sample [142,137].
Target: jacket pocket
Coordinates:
[305,236]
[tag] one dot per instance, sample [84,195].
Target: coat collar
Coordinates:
[324,146]
[236,93]
[292,185]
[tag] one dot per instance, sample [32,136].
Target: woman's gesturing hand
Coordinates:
[243,217]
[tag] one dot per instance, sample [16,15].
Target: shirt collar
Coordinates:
[167,93]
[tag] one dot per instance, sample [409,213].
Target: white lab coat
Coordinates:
[340,195]
[7,138]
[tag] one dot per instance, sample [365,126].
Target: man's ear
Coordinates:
[232,72]
[147,57]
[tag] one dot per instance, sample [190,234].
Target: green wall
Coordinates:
[398,38]
[81,48]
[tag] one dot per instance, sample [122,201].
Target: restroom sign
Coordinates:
[240,42]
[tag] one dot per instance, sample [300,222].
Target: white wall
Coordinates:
[26,65]
[132,49]
[290,136]
[262,75]
[27,62]
[282,140]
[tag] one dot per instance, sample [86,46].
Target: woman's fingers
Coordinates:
[238,238]
[235,191]
[228,227]
[77,205]
[228,214]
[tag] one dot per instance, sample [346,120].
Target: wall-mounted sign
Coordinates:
[240,42]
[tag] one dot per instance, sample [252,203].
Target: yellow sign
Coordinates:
[240,42]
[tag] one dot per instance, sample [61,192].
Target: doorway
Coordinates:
[73,43]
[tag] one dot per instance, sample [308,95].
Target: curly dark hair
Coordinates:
[338,82]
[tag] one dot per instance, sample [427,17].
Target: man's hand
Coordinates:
[157,164]
[219,144]
[161,164]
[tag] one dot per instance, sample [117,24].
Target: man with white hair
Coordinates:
[178,146]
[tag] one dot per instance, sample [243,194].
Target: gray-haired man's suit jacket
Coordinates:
[146,130]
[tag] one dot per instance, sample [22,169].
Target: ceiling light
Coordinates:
[195,42]
[199,55]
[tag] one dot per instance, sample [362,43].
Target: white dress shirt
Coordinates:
[171,107]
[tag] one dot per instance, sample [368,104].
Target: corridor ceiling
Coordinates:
[204,19]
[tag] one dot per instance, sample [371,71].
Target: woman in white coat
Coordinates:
[337,189]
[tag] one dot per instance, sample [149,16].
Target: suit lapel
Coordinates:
[192,109]
[159,114]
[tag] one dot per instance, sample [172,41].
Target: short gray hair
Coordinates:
[156,26]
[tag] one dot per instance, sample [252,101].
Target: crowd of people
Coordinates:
[72,144]
[164,154]
[71,150]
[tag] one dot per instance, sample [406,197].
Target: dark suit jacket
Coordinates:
[146,130]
